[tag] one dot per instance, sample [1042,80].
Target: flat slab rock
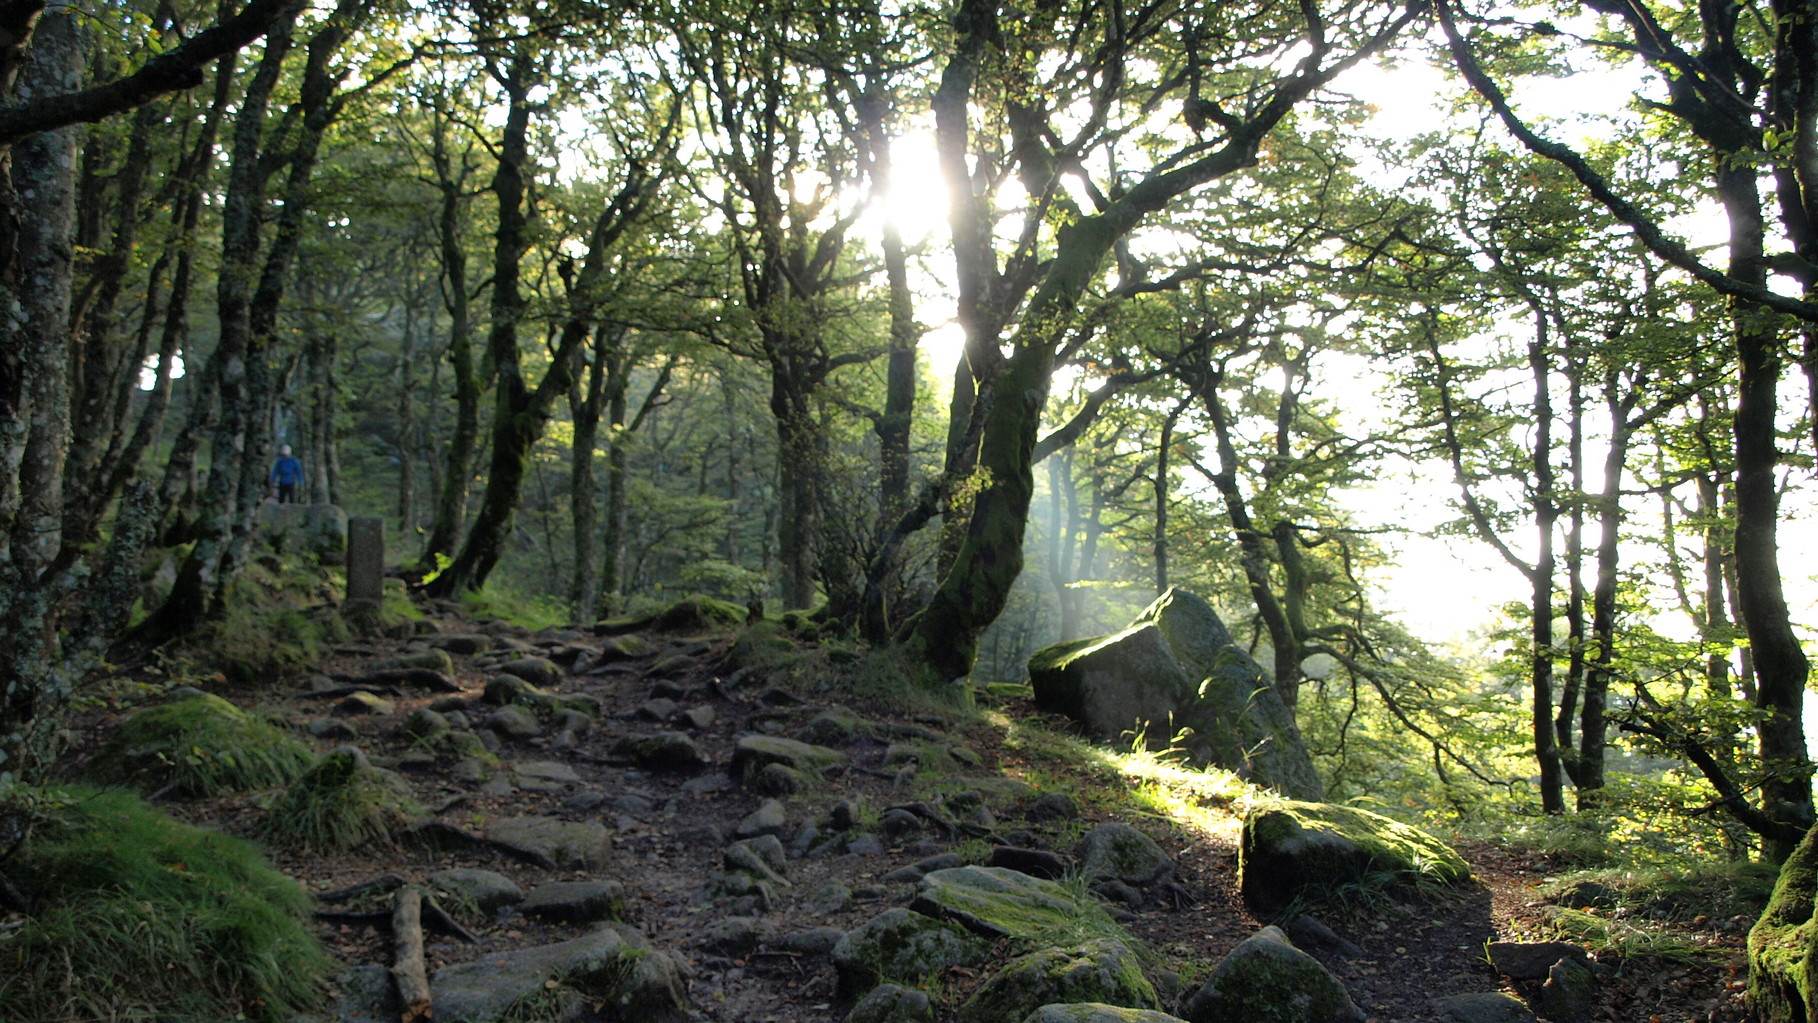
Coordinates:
[487,988]
[575,901]
[570,845]
[1531,960]
[999,903]
[754,752]
[1482,1007]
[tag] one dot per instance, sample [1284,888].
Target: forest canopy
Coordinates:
[961,329]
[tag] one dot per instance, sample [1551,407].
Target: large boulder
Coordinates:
[1289,849]
[997,902]
[1783,944]
[1176,667]
[1265,979]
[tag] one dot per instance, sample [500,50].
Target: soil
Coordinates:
[667,842]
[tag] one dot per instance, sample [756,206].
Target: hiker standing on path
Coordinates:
[286,476]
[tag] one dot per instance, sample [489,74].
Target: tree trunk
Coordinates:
[34,685]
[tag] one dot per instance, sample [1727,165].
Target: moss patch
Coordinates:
[200,746]
[1293,849]
[140,917]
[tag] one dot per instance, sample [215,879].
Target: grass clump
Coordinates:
[1713,891]
[341,803]
[201,746]
[139,917]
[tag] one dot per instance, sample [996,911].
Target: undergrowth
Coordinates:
[139,917]
[341,803]
[200,746]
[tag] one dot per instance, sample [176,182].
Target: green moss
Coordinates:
[1293,849]
[1104,970]
[698,613]
[342,803]
[200,746]
[764,644]
[142,918]
[1782,986]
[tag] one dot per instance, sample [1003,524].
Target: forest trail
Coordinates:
[667,830]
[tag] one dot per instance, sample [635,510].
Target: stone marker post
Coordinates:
[365,568]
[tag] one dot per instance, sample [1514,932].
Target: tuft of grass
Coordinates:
[1606,936]
[1713,891]
[341,803]
[200,746]
[139,917]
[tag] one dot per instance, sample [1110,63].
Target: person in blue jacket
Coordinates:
[287,476]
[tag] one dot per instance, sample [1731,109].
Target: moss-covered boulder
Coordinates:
[426,659]
[139,917]
[1783,966]
[901,945]
[893,1003]
[1104,970]
[997,902]
[200,745]
[538,671]
[1265,979]
[764,644]
[753,753]
[1177,678]
[1294,849]
[700,614]
[341,803]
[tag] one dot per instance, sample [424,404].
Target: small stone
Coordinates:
[779,780]
[844,815]
[664,750]
[1054,806]
[424,723]
[1532,960]
[826,897]
[362,702]
[513,723]
[332,728]
[538,671]
[1569,992]
[545,776]
[575,902]
[769,818]
[813,941]
[866,845]
[889,1003]
[898,822]
[697,719]
[659,710]
[731,936]
[1482,1007]
[447,704]
[707,784]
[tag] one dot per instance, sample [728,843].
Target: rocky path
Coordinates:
[593,795]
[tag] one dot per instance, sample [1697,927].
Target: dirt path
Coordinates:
[750,964]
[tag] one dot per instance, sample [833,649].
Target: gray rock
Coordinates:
[513,723]
[424,723]
[698,719]
[362,703]
[999,903]
[658,710]
[662,751]
[835,726]
[1103,970]
[544,776]
[575,902]
[770,818]
[866,845]
[1177,665]
[735,935]
[1313,935]
[901,945]
[1266,977]
[465,644]
[538,671]
[1054,806]
[898,822]
[1290,849]
[364,994]
[450,704]
[1097,1012]
[753,752]
[844,815]
[485,890]
[570,720]
[825,898]
[1120,852]
[889,1003]
[778,780]
[813,941]
[332,728]
[707,784]
[430,659]
[1532,960]
[318,530]
[1569,993]
[1482,1007]
[642,983]
[570,845]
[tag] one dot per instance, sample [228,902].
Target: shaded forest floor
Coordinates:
[669,828]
